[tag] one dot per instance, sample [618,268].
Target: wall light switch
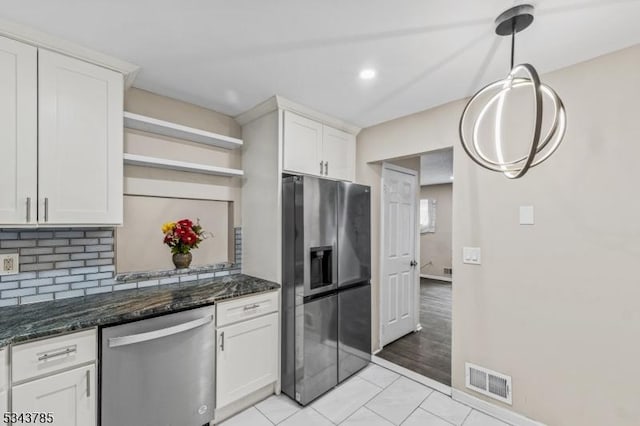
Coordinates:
[471,255]
[526,215]
[9,264]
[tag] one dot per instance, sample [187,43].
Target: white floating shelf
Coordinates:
[178,131]
[162,163]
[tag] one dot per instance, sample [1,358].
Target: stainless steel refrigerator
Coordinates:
[326,289]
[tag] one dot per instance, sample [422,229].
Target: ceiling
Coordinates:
[231,55]
[436,167]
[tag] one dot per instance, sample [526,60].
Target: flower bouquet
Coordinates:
[182,236]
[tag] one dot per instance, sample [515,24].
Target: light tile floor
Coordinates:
[374,397]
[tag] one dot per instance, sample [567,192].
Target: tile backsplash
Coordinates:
[74,262]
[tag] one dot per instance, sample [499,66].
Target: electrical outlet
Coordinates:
[447,271]
[9,264]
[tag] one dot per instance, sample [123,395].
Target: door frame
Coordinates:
[416,246]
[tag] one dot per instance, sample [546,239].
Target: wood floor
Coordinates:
[427,352]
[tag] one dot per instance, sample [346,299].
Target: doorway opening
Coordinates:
[426,348]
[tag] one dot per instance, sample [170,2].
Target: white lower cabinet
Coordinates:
[4,381]
[69,396]
[247,358]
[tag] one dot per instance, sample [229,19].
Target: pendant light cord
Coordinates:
[513,42]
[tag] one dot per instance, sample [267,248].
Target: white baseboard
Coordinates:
[493,410]
[436,277]
[412,375]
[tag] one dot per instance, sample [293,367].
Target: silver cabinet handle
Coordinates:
[326,168]
[66,351]
[249,307]
[114,342]
[28,209]
[46,209]
[321,164]
[222,342]
[88,383]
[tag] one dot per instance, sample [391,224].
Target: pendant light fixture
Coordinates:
[490,152]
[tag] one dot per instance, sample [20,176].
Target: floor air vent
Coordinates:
[488,382]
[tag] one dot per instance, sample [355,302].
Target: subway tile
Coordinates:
[206,275]
[100,276]
[85,284]
[9,285]
[106,240]
[187,278]
[99,262]
[36,267]
[107,255]
[35,299]
[148,283]
[70,249]
[8,235]
[89,270]
[18,277]
[37,282]
[53,243]
[108,268]
[69,294]
[33,251]
[222,273]
[99,247]
[169,280]
[84,256]
[17,292]
[99,234]
[27,259]
[53,257]
[53,273]
[8,302]
[7,244]
[69,279]
[53,288]
[69,234]
[97,290]
[70,264]
[35,235]
[127,286]
[110,281]
[84,241]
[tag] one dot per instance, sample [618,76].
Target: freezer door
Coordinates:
[354,330]
[316,348]
[354,233]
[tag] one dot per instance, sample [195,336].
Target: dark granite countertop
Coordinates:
[25,322]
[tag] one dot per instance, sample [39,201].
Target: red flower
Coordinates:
[186,223]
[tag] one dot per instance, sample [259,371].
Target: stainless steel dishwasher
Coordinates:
[160,371]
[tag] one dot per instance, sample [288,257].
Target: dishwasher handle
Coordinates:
[115,342]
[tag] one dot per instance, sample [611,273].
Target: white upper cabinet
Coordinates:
[302,145]
[316,149]
[80,148]
[18,132]
[339,153]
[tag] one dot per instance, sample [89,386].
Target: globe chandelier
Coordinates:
[490,153]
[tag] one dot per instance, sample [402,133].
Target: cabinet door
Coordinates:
[18,132]
[302,145]
[339,153]
[69,396]
[246,359]
[80,142]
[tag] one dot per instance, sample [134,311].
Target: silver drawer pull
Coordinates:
[249,307]
[88,374]
[66,351]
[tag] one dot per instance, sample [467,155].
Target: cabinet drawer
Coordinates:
[50,355]
[246,308]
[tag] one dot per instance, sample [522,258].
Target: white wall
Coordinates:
[555,305]
[435,247]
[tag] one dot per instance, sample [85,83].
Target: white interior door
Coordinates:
[398,267]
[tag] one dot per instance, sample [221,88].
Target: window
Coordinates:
[427,216]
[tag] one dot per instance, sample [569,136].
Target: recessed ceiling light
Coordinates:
[367,74]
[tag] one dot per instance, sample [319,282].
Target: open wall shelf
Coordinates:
[178,131]
[162,163]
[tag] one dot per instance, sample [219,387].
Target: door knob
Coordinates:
[413,263]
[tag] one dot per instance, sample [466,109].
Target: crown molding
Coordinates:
[42,40]
[279,103]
